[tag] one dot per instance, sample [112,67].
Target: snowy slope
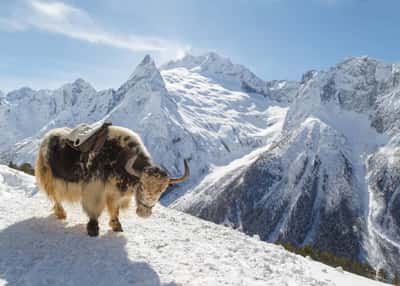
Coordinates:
[170,248]
[309,162]
[235,76]
[332,179]
[27,114]
[179,112]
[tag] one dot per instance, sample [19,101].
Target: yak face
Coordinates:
[153,182]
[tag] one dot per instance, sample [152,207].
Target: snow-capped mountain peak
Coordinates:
[234,76]
[79,88]
[146,75]
[146,69]
[214,65]
[2,98]
[338,144]
[82,84]
[308,76]
[19,94]
[324,148]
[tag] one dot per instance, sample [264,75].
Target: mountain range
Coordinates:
[309,162]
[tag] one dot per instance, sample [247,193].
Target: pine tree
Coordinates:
[382,275]
[396,280]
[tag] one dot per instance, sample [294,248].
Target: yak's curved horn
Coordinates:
[184,177]
[129,167]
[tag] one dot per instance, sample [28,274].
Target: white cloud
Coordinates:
[60,18]
[55,9]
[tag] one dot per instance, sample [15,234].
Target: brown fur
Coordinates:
[96,194]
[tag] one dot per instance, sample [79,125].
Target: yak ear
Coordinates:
[129,167]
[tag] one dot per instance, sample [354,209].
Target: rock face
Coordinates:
[301,191]
[207,254]
[179,112]
[333,178]
[313,162]
[235,76]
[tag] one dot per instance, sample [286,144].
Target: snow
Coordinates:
[170,248]
[196,110]
[350,111]
[234,76]
[222,117]
[339,118]
[231,170]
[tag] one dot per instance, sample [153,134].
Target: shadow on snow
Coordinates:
[44,251]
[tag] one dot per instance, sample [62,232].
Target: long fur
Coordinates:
[58,189]
[103,181]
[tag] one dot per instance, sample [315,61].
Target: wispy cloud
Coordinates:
[59,18]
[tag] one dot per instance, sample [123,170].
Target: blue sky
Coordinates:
[47,43]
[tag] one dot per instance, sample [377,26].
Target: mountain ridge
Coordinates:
[290,161]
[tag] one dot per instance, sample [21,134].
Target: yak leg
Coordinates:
[113,210]
[54,190]
[93,204]
[59,211]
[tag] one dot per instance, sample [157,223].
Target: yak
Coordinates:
[122,169]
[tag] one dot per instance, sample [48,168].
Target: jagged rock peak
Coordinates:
[147,60]
[308,75]
[146,67]
[363,65]
[82,83]
[79,86]
[19,94]
[146,73]
[357,60]
[203,62]
[2,98]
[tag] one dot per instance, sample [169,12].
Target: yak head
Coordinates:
[153,181]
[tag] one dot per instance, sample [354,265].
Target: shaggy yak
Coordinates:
[121,169]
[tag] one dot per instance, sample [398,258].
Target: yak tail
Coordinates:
[43,174]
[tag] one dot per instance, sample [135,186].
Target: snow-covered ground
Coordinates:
[332,181]
[201,113]
[170,248]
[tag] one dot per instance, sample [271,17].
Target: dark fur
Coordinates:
[65,163]
[92,227]
[156,171]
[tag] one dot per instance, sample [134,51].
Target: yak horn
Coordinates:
[129,167]
[184,177]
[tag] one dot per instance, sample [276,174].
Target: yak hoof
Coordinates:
[116,226]
[61,215]
[143,212]
[59,212]
[93,228]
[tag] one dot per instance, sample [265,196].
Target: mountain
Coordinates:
[313,162]
[332,180]
[179,112]
[169,248]
[27,114]
[235,76]
[2,98]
